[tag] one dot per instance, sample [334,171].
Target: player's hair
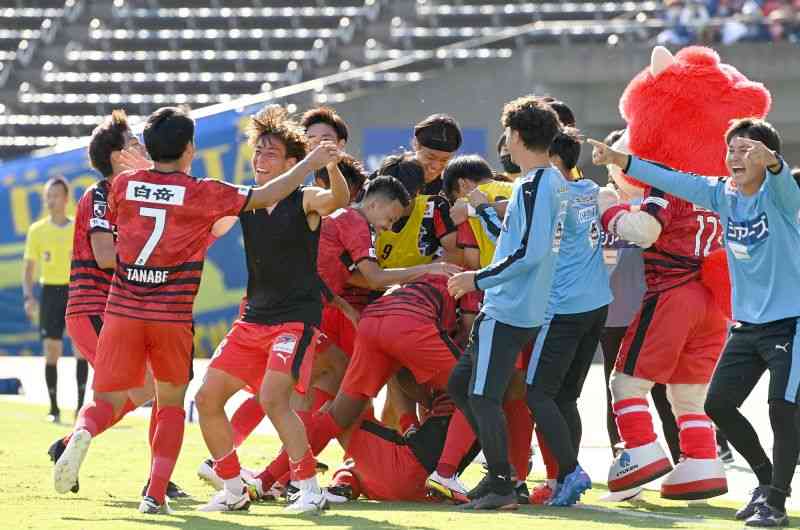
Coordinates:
[406,169]
[57,181]
[567,146]
[534,119]
[274,121]
[440,132]
[565,114]
[613,137]
[755,129]
[167,133]
[388,188]
[108,137]
[354,173]
[328,116]
[471,167]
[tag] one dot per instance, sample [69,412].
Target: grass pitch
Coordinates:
[116,468]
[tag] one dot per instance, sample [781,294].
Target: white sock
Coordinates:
[309,484]
[552,483]
[234,485]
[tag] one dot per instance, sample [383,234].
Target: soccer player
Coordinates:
[324,124]
[112,150]
[513,284]
[353,172]
[271,348]
[48,246]
[576,314]
[163,218]
[759,206]
[510,169]
[436,139]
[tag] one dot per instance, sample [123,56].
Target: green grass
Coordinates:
[116,468]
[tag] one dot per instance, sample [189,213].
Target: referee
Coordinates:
[49,246]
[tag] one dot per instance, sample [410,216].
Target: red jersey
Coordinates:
[688,234]
[88,283]
[345,240]
[425,299]
[163,223]
[465,237]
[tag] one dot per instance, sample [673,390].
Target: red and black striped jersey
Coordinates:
[163,225]
[88,283]
[688,234]
[426,300]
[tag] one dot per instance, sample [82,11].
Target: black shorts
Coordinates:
[52,308]
[752,349]
[491,355]
[563,353]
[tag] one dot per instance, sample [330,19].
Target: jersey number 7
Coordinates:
[160,216]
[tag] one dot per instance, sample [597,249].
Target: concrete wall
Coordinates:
[589,78]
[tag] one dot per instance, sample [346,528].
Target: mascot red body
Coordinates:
[677,111]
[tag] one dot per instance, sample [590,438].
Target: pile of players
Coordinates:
[477,298]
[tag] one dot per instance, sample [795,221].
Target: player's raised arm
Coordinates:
[280,188]
[325,202]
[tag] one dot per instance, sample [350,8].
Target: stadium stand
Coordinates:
[74,61]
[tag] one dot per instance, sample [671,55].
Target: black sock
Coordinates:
[555,431]
[741,435]
[493,435]
[784,452]
[51,377]
[81,374]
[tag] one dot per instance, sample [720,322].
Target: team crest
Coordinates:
[100,209]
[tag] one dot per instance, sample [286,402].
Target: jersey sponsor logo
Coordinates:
[99,223]
[429,209]
[155,193]
[658,201]
[284,346]
[147,275]
[587,215]
[585,199]
[100,208]
[595,234]
[748,232]
[372,253]
[558,235]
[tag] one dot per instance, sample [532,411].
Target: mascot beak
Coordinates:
[660,60]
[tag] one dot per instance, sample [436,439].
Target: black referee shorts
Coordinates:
[52,308]
[753,349]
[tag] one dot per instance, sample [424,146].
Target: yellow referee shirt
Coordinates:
[50,246]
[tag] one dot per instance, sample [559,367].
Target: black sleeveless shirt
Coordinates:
[281,251]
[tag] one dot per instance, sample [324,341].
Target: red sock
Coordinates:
[167,442]
[267,479]
[407,421]
[228,466]
[697,436]
[320,398]
[304,468]
[321,430]
[550,462]
[520,432]
[95,417]
[246,419]
[634,422]
[126,408]
[153,421]
[456,446]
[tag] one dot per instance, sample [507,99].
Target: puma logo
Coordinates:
[784,347]
[283,356]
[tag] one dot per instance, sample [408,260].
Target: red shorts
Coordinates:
[338,329]
[126,346]
[249,350]
[386,470]
[84,331]
[676,337]
[386,344]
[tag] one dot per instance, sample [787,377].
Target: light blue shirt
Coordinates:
[517,283]
[762,235]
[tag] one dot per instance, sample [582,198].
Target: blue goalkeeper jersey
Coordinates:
[761,235]
[581,281]
[517,283]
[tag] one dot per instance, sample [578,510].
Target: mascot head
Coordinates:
[678,109]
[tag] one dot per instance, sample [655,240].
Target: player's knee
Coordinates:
[624,386]
[274,403]
[207,401]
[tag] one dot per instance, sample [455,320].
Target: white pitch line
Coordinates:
[636,513]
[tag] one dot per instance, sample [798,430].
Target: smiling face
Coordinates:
[742,176]
[319,132]
[383,213]
[432,161]
[269,159]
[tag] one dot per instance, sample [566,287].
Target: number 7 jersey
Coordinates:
[163,224]
[689,233]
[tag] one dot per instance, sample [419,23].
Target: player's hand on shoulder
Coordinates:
[461,284]
[477,198]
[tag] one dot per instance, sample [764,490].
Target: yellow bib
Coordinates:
[401,249]
[496,191]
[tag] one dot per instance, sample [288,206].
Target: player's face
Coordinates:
[737,150]
[320,132]
[269,159]
[432,161]
[55,197]
[383,214]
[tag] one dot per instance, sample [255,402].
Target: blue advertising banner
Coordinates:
[382,141]
[222,153]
